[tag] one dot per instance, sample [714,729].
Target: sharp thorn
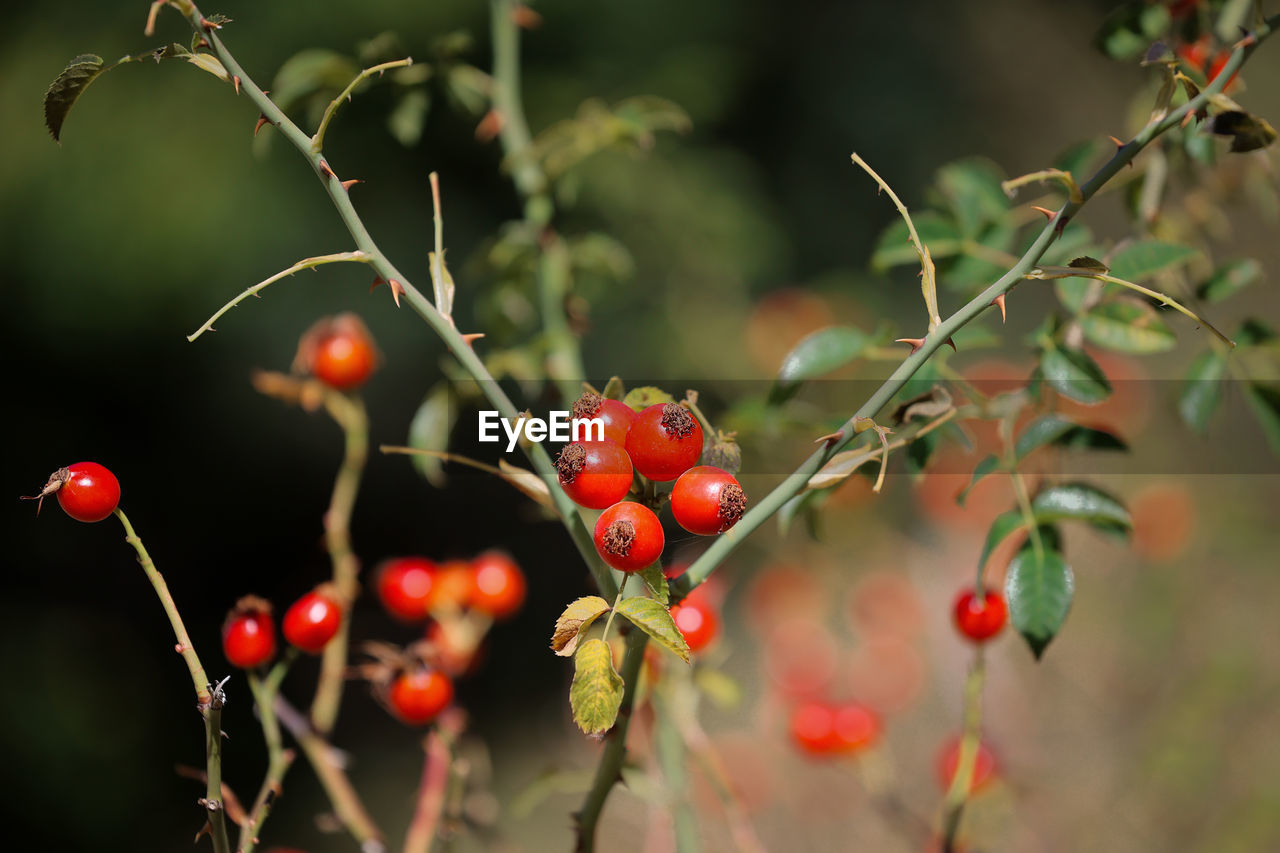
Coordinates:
[471,338]
[1117,142]
[235,82]
[262,120]
[915,343]
[952,344]
[347,185]
[828,438]
[396,289]
[999,303]
[1049,214]
[378,280]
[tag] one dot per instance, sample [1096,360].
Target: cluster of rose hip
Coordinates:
[660,443]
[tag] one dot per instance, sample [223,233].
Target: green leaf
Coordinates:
[596,693]
[67,88]
[1265,402]
[1082,502]
[971,188]
[1142,260]
[1074,374]
[1060,432]
[654,619]
[614,389]
[1038,589]
[429,430]
[894,247]
[971,270]
[1229,279]
[409,117]
[822,352]
[1203,392]
[656,581]
[645,396]
[1127,326]
[982,469]
[719,687]
[1005,525]
[312,73]
[574,622]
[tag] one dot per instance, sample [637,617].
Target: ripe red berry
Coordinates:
[455,586]
[405,587]
[418,695]
[249,634]
[664,442]
[339,351]
[822,729]
[617,416]
[707,500]
[984,765]
[498,585]
[312,621]
[595,474]
[628,536]
[86,491]
[856,727]
[980,620]
[697,620]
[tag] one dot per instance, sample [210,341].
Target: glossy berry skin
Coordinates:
[312,622]
[455,586]
[417,696]
[664,442]
[89,492]
[984,765]
[616,415]
[980,620]
[823,730]
[707,500]
[698,621]
[249,638]
[498,586]
[339,351]
[628,536]
[595,474]
[405,587]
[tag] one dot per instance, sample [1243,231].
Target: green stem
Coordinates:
[958,791]
[670,749]
[609,770]
[514,135]
[279,759]
[349,413]
[213,802]
[794,483]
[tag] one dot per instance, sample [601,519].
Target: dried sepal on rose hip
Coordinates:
[664,442]
[616,416]
[339,351]
[249,633]
[707,500]
[594,474]
[628,536]
[314,619]
[86,491]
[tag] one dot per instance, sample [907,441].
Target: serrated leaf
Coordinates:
[1142,260]
[1038,589]
[596,692]
[1265,402]
[1229,279]
[1082,502]
[645,396]
[409,117]
[656,581]
[894,247]
[67,88]
[1074,374]
[1203,390]
[574,622]
[654,619]
[981,470]
[1004,526]
[972,189]
[822,352]
[1084,262]
[429,430]
[1127,326]
[1248,132]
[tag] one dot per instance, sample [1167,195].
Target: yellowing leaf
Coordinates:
[657,583]
[655,620]
[596,693]
[574,621]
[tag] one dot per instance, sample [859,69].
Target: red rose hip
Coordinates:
[707,500]
[594,474]
[313,621]
[980,620]
[86,491]
[628,536]
[249,634]
[417,696]
[616,415]
[339,351]
[664,442]
[405,587]
[498,585]
[697,621]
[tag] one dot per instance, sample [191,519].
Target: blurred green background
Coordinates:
[1150,725]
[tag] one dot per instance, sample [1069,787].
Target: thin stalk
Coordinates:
[213,803]
[437,767]
[279,759]
[670,749]
[317,141]
[958,791]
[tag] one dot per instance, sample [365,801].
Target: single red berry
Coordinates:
[498,585]
[595,474]
[312,621]
[664,442]
[984,765]
[628,536]
[697,620]
[616,415]
[418,695]
[86,491]
[455,586]
[856,727]
[707,500]
[813,728]
[249,633]
[405,587]
[980,620]
[339,351]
